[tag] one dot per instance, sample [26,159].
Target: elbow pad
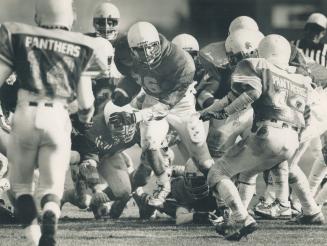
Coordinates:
[242,101]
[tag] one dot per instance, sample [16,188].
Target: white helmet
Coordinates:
[187,42]
[276,49]
[51,13]
[120,133]
[243,22]
[319,19]
[242,44]
[105,20]
[144,42]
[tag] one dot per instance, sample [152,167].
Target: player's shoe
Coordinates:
[296,209]
[236,230]
[117,208]
[48,229]
[145,210]
[7,215]
[159,195]
[315,219]
[275,210]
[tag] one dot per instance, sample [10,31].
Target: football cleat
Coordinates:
[274,210]
[315,219]
[117,208]
[235,231]
[7,216]
[145,210]
[48,229]
[159,196]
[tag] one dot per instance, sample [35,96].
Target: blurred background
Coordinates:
[207,20]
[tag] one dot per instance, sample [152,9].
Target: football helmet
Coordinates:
[196,185]
[106,20]
[188,43]
[242,44]
[243,22]
[54,13]
[319,19]
[124,133]
[144,42]
[276,49]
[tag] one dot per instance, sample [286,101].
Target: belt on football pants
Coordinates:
[280,124]
[45,104]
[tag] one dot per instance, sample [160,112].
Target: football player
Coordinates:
[189,201]
[103,160]
[106,19]
[52,61]
[268,84]
[165,73]
[189,43]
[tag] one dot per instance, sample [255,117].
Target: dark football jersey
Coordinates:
[168,81]
[50,62]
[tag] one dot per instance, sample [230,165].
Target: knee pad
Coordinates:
[196,130]
[26,209]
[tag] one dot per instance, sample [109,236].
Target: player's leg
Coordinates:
[280,208]
[151,143]
[260,151]
[115,172]
[319,167]
[53,161]
[22,154]
[311,212]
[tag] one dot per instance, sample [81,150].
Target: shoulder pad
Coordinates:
[215,53]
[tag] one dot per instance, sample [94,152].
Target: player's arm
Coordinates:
[98,65]
[246,88]
[126,90]
[6,55]
[206,90]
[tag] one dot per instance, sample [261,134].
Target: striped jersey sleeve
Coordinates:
[247,74]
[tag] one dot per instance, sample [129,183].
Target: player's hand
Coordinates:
[220,115]
[122,119]
[98,198]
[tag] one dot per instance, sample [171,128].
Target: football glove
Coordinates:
[220,115]
[119,119]
[99,199]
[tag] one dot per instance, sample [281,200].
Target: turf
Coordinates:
[79,228]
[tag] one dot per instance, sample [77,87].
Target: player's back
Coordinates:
[48,62]
[284,92]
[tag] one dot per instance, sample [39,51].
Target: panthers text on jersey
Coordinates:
[50,62]
[284,94]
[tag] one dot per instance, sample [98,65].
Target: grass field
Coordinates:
[79,228]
